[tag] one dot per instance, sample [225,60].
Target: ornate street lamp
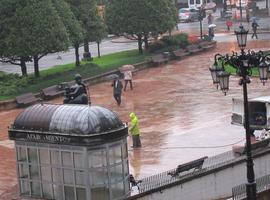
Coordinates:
[241,35]
[243,63]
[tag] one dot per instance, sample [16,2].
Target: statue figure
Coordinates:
[76,94]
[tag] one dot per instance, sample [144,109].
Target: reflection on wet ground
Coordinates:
[182,115]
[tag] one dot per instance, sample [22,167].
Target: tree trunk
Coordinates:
[98,47]
[86,54]
[23,66]
[140,43]
[77,56]
[146,44]
[36,67]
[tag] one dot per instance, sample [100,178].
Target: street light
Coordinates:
[243,63]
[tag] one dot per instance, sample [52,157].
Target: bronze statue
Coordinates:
[76,94]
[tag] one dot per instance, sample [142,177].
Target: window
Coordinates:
[116,173]
[99,176]
[97,159]
[32,155]
[21,154]
[78,160]
[23,170]
[68,176]
[80,177]
[81,193]
[35,188]
[44,156]
[46,174]
[101,193]
[55,157]
[117,190]
[66,159]
[69,193]
[115,154]
[47,191]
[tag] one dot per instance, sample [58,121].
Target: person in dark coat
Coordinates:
[254,28]
[117,90]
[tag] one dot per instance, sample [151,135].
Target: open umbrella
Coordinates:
[127,68]
[111,77]
[212,26]
[254,19]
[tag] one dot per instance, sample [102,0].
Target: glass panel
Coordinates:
[100,193]
[117,190]
[47,191]
[116,173]
[127,185]
[66,159]
[56,175]
[23,170]
[78,160]
[55,157]
[68,176]
[34,173]
[44,156]
[32,155]
[79,177]
[24,185]
[81,194]
[35,188]
[46,174]
[69,193]
[126,171]
[99,177]
[115,155]
[21,154]
[97,159]
[124,150]
[58,192]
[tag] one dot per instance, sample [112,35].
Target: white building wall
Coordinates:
[213,186]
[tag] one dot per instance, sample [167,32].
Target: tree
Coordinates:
[86,12]
[8,52]
[73,26]
[140,18]
[35,29]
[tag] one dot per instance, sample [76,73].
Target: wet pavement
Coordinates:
[182,115]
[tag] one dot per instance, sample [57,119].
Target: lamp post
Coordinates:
[243,63]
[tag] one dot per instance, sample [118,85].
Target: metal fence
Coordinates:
[263,184]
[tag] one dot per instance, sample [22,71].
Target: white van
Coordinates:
[259,112]
[206,4]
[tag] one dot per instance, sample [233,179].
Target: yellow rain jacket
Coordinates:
[134,129]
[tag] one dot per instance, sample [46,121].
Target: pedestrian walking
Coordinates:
[128,79]
[229,24]
[134,130]
[117,90]
[254,29]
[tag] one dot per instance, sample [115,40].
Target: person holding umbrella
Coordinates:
[127,71]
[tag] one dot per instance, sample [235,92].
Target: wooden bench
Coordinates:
[193,48]
[195,164]
[160,58]
[207,45]
[240,150]
[26,99]
[180,53]
[51,92]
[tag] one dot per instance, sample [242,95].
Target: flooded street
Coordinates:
[182,115]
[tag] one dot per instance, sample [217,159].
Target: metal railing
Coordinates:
[263,184]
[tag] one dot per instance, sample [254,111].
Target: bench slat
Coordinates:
[26,99]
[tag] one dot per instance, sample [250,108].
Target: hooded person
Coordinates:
[134,130]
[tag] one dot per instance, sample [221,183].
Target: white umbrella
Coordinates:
[127,68]
[212,26]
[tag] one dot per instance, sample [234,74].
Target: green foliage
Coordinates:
[169,43]
[140,17]
[179,39]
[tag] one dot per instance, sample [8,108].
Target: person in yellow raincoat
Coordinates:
[134,130]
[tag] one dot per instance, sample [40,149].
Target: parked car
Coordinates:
[188,14]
